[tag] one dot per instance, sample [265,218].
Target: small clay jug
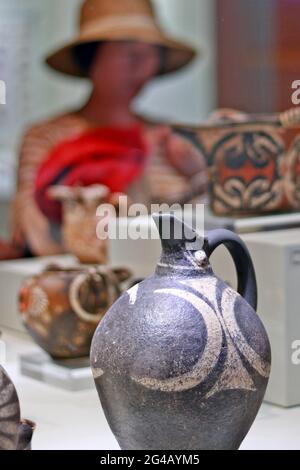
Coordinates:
[80,220]
[61,307]
[15,434]
[181,361]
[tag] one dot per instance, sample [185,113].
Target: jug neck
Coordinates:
[183,251]
[182,262]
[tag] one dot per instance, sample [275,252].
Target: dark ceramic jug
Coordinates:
[181,361]
[15,434]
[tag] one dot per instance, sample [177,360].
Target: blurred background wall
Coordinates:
[258,44]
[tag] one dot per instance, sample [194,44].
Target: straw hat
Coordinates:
[120,20]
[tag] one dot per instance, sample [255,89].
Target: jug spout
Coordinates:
[176,233]
[182,246]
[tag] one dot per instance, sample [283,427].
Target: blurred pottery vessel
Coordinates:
[254,162]
[61,307]
[15,433]
[80,220]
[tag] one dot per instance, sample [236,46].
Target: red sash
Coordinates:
[110,156]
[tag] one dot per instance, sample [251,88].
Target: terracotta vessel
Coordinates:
[181,361]
[80,220]
[15,434]
[61,308]
[254,162]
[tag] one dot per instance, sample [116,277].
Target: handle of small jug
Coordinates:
[25,433]
[247,285]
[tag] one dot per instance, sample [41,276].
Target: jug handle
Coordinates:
[247,285]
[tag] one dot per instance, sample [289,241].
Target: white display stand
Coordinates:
[69,374]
